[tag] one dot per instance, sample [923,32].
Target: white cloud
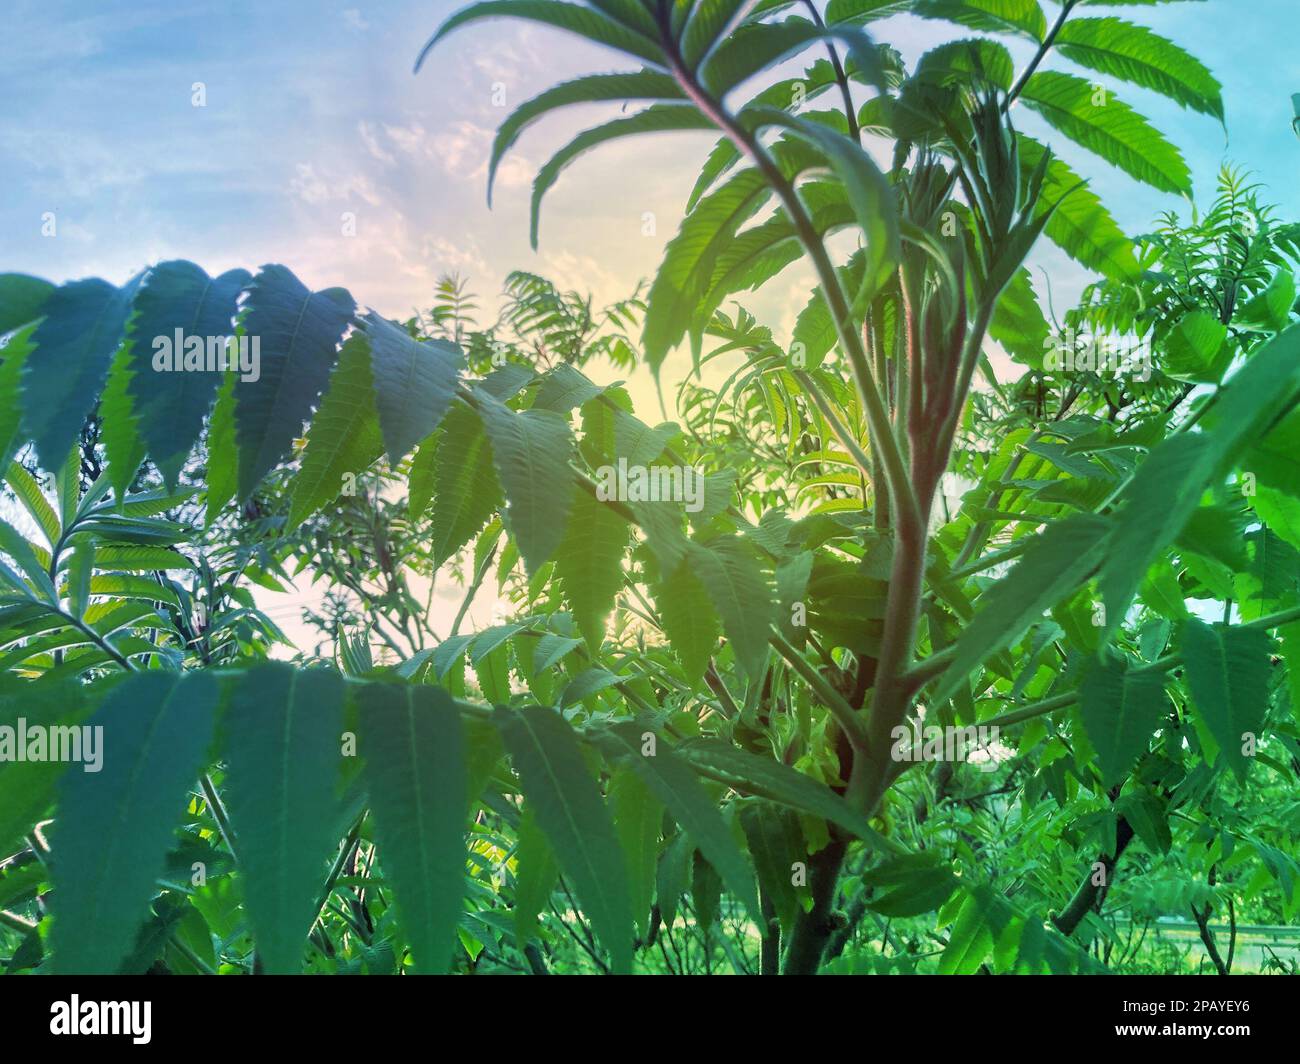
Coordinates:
[81,168]
[74,231]
[461,149]
[353,19]
[582,273]
[515,171]
[370,139]
[444,256]
[412,139]
[507,59]
[314,188]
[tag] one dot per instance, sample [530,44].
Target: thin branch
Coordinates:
[1040,55]
[883,438]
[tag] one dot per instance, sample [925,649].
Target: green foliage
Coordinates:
[455,469]
[414,383]
[169,407]
[345,434]
[416,776]
[676,786]
[299,331]
[1058,559]
[531,450]
[1134,53]
[1108,127]
[283,734]
[572,813]
[1227,675]
[112,844]
[1121,709]
[589,564]
[678,748]
[71,349]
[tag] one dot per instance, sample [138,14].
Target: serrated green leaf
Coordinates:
[755,47]
[765,778]
[910,885]
[587,683]
[742,597]
[14,354]
[414,382]
[23,553]
[775,843]
[27,787]
[1018,323]
[124,446]
[1136,54]
[1272,308]
[689,259]
[73,347]
[1053,564]
[1080,224]
[493,672]
[1111,129]
[140,559]
[869,192]
[33,499]
[563,388]
[864,10]
[223,461]
[1227,673]
[283,740]
[1120,708]
[674,867]
[689,620]
[80,567]
[969,940]
[1149,819]
[968,61]
[1167,487]
[454,470]
[297,332]
[117,824]
[531,452]
[638,819]
[415,771]
[1193,346]
[170,396]
[637,85]
[569,809]
[675,784]
[578,20]
[1023,17]
[344,439]
[707,22]
[535,877]
[589,564]
[22,298]
[658,118]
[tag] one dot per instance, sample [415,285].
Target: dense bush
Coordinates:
[887,657]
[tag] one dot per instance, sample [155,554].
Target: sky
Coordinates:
[312,123]
[311,110]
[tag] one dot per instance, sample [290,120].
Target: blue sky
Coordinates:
[312,111]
